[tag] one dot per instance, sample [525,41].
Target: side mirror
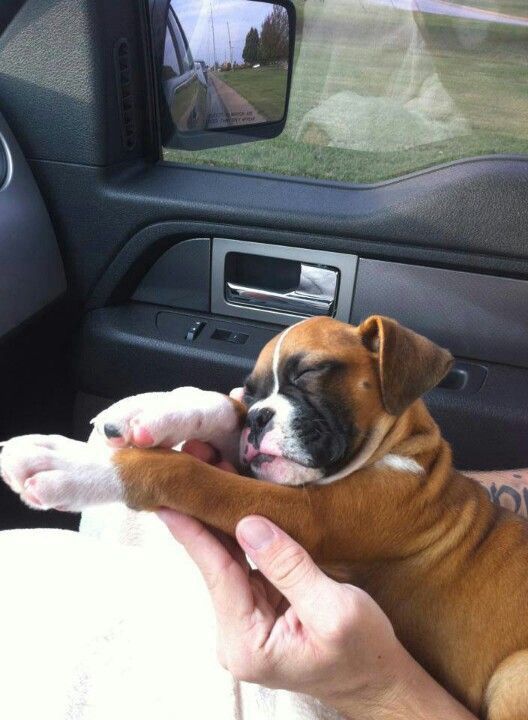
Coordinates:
[167,73]
[223,69]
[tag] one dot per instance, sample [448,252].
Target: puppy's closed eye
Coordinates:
[315,371]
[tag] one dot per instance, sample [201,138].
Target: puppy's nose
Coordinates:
[257,421]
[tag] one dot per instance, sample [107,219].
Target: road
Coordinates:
[228,108]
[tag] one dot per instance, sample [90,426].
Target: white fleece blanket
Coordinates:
[115,622]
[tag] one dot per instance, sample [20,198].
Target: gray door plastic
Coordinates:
[32,273]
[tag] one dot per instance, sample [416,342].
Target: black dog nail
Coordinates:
[111,431]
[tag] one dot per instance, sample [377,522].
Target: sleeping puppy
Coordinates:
[345,458]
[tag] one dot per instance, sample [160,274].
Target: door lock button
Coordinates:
[195,329]
[236,338]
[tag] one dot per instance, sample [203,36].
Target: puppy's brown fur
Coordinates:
[449,568]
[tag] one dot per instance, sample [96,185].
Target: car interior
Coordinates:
[130,265]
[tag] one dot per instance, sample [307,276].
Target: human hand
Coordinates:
[287,625]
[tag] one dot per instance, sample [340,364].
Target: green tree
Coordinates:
[274,36]
[250,53]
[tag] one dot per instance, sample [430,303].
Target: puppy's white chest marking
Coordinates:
[400,462]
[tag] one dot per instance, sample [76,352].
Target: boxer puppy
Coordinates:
[347,460]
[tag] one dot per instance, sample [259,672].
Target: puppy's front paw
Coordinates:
[51,471]
[126,422]
[165,419]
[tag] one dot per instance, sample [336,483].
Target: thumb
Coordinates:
[284,563]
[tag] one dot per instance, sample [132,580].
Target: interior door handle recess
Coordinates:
[280,284]
[316,293]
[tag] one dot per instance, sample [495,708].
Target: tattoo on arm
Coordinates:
[508,488]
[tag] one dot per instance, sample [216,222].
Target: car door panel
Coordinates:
[484,317]
[29,255]
[469,216]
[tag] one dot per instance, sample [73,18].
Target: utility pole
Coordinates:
[213,33]
[230,46]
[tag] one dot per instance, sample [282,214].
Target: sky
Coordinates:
[195,19]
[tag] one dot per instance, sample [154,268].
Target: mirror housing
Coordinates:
[203,103]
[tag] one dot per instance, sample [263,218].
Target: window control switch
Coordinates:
[195,329]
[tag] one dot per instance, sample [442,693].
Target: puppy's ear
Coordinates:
[408,364]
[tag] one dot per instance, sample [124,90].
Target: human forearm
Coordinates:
[508,488]
[411,694]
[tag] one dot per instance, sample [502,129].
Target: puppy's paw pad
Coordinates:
[25,456]
[30,499]
[60,473]
[44,490]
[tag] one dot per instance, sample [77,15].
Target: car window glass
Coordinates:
[171,65]
[382,88]
[183,50]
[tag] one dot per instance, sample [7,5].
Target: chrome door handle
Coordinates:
[316,293]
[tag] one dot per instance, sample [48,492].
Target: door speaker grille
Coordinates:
[125,90]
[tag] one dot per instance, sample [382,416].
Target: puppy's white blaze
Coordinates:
[282,407]
[276,354]
[276,357]
[400,462]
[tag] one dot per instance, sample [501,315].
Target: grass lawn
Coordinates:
[263,87]
[378,92]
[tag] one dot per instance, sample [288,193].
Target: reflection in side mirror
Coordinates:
[167,73]
[223,65]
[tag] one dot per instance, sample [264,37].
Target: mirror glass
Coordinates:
[224,64]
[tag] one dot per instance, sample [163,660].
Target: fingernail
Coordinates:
[256,533]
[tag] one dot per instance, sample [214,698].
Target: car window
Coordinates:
[171,65]
[181,44]
[382,88]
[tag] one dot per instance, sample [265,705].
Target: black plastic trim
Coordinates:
[3,165]
[306,180]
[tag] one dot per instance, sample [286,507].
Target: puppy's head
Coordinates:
[321,389]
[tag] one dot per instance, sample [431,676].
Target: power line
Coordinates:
[230,45]
[213,32]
